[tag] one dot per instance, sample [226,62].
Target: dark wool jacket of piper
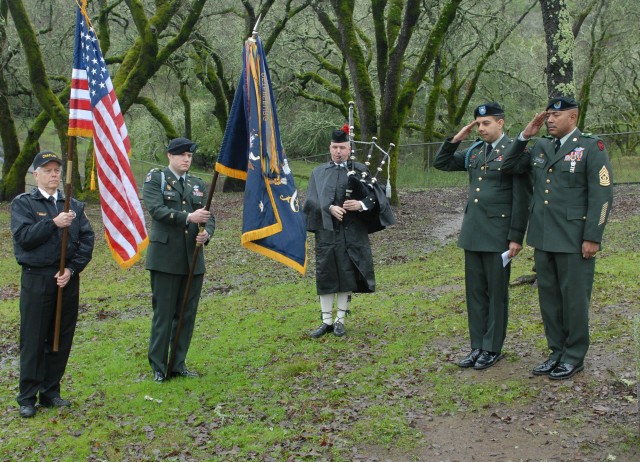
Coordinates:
[37,240]
[497,207]
[343,250]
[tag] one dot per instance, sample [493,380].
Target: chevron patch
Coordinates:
[604,176]
[603,214]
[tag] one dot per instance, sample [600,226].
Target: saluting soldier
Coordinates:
[495,221]
[175,199]
[572,197]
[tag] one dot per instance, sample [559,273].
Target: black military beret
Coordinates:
[488,109]
[562,103]
[181,145]
[340,135]
[44,157]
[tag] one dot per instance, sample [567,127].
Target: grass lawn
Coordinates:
[268,392]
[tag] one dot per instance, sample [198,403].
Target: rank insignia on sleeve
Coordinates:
[604,176]
[603,214]
[601,145]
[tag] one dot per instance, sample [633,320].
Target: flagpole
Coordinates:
[192,268]
[63,250]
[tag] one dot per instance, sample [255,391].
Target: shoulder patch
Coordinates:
[150,174]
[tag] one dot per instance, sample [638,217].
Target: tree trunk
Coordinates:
[8,133]
[560,48]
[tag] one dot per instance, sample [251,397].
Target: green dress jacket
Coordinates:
[497,207]
[171,240]
[573,190]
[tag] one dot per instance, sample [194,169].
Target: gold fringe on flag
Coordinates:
[92,182]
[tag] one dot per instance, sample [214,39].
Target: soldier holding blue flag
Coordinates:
[344,263]
[495,221]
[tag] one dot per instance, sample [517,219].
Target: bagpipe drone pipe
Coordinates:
[362,182]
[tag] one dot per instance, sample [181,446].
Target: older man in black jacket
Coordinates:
[37,222]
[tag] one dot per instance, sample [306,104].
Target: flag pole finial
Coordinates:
[254,34]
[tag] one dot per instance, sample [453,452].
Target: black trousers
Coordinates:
[40,367]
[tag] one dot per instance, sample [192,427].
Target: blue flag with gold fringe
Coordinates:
[273,223]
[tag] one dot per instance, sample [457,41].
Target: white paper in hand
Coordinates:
[505,258]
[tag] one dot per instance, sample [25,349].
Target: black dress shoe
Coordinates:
[185,373]
[487,359]
[564,371]
[28,410]
[470,359]
[338,329]
[545,368]
[158,376]
[54,402]
[320,331]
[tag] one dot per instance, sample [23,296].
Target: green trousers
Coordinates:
[168,292]
[487,289]
[565,281]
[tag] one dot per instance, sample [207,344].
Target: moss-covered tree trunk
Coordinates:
[560,48]
[49,101]
[8,132]
[462,89]
[398,98]
[394,25]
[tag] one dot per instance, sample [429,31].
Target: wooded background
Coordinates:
[415,69]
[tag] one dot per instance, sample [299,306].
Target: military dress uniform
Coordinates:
[495,214]
[572,198]
[171,246]
[37,247]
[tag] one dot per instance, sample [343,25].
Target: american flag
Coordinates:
[95,112]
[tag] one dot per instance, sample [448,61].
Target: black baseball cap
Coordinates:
[180,146]
[45,157]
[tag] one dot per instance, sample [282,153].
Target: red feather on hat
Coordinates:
[345,128]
